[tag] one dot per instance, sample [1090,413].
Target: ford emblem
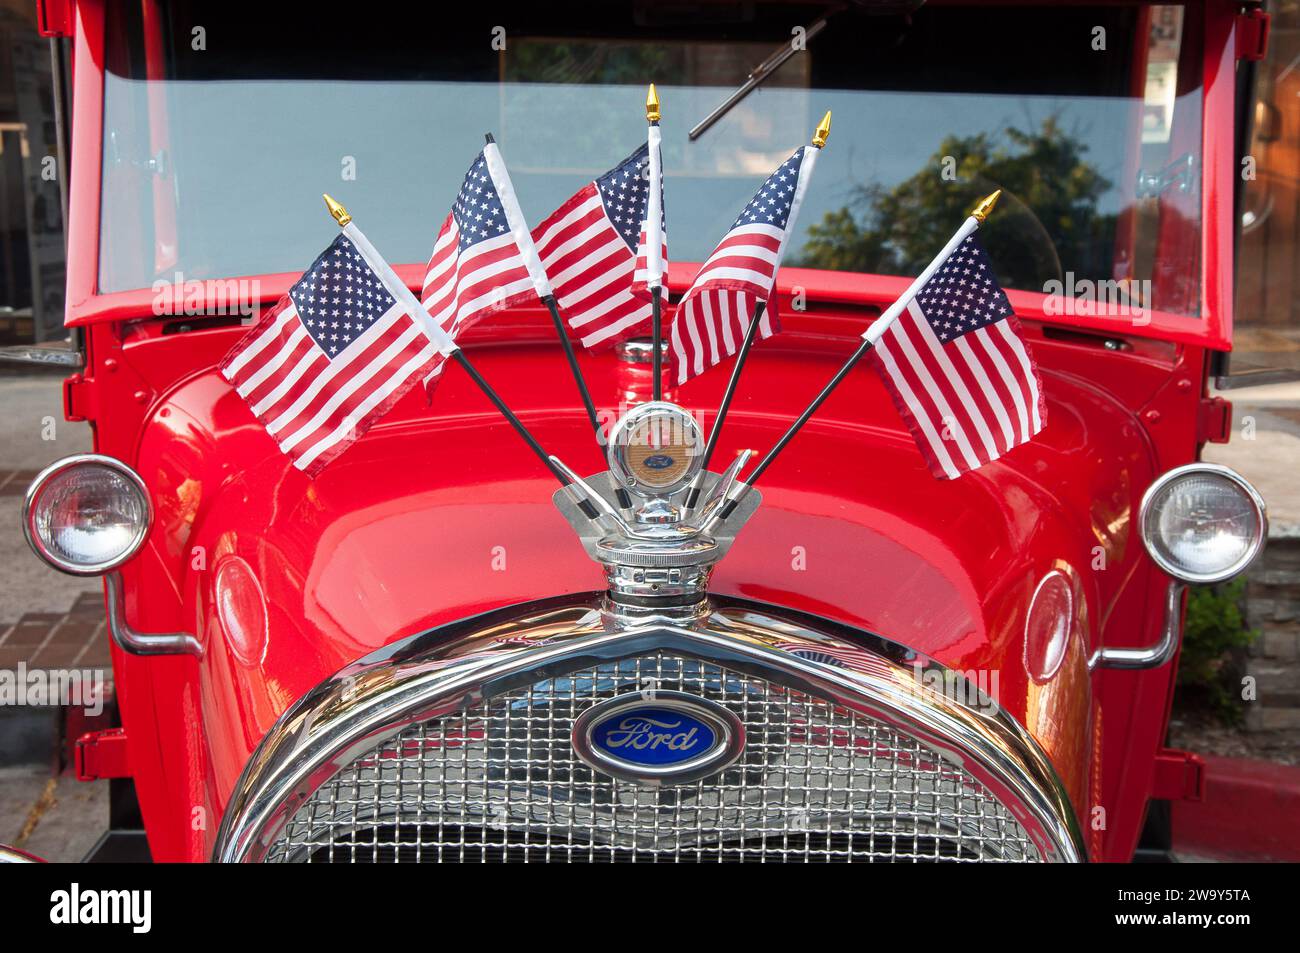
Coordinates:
[658,461]
[658,737]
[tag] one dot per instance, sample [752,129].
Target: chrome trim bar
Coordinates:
[445,670]
[1156,655]
[43,356]
[143,643]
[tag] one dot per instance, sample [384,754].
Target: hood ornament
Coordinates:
[659,551]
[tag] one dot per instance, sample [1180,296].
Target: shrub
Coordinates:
[1214,638]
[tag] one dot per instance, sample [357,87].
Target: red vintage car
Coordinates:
[414,656]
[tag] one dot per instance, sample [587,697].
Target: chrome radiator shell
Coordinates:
[391,696]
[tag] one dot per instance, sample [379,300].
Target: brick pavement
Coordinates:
[77,638]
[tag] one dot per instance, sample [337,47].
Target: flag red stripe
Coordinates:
[998,352]
[564,232]
[914,405]
[304,347]
[273,343]
[333,378]
[975,400]
[994,393]
[337,415]
[264,324]
[953,420]
[577,296]
[549,233]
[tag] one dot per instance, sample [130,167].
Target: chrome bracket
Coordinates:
[1156,655]
[143,643]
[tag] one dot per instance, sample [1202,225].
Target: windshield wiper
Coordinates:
[760,73]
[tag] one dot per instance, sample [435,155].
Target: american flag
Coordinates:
[589,247]
[330,358]
[957,368]
[484,259]
[712,318]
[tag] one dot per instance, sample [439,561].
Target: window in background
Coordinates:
[1267,319]
[32,257]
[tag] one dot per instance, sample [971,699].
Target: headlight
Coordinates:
[1203,523]
[86,514]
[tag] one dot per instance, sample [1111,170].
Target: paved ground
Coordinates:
[58,818]
[46,619]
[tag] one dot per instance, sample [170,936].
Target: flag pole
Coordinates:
[822,132]
[869,339]
[656,305]
[572,358]
[398,289]
[693,495]
[567,345]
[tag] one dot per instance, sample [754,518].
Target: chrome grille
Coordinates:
[499,782]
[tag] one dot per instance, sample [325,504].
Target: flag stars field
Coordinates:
[328,360]
[339,274]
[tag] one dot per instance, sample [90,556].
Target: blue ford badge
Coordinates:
[658,737]
[658,461]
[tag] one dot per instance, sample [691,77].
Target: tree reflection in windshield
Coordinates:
[1049,221]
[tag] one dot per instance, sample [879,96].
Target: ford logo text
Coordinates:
[657,738]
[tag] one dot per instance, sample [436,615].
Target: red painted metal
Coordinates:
[54,17]
[1215,422]
[1180,776]
[285,581]
[1252,35]
[102,754]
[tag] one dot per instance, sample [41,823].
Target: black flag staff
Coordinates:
[549,300]
[654,241]
[820,135]
[397,288]
[869,339]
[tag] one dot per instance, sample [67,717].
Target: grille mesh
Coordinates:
[499,782]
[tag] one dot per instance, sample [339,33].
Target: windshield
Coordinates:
[223,125]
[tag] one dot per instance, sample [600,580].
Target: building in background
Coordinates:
[1268,254]
[32,255]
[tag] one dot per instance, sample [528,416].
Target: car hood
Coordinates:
[432,519]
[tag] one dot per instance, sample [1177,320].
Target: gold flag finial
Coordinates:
[823,130]
[338,211]
[981,211]
[652,105]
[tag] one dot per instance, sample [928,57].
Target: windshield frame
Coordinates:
[1211,328]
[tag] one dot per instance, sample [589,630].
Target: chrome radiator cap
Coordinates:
[656,547]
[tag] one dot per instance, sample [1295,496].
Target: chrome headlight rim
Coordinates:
[59,467]
[1240,565]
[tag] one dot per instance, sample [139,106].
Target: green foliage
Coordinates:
[1046,224]
[1213,632]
